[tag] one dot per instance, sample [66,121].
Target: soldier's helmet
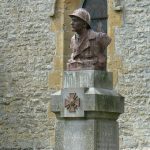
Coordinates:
[82,14]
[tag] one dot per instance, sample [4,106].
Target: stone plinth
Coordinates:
[87,109]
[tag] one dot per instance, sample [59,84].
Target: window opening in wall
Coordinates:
[98,12]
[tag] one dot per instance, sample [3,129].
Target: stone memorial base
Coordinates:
[87,108]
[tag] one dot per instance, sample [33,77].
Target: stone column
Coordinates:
[87,108]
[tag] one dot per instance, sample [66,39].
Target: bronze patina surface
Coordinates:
[72,102]
[87,45]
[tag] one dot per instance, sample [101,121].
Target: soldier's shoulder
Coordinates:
[92,34]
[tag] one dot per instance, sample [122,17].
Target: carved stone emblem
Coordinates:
[72,102]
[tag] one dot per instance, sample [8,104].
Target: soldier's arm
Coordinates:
[104,40]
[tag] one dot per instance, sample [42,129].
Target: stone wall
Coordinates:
[26,53]
[29,39]
[132,42]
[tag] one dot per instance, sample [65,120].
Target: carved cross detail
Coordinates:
[72,102]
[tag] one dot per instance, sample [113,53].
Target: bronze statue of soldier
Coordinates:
[87,45]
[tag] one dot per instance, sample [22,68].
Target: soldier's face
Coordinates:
[77,24]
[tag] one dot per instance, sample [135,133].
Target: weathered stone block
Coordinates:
[87,110]
[87,78]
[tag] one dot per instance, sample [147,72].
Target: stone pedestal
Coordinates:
[87,108]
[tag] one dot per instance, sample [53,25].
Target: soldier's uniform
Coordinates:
[88,50]
[88,53]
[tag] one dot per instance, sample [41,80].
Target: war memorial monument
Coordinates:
[87,107]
